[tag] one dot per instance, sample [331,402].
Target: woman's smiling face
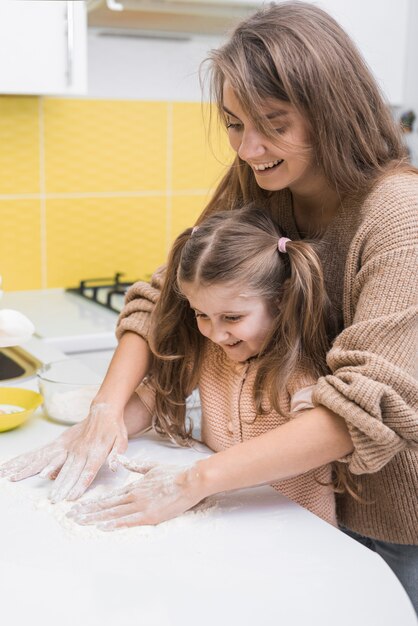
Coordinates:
[287,163]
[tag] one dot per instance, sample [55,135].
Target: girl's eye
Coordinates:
[233,318]
[280,131]
[201,315]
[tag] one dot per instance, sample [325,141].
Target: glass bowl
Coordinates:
[68,387]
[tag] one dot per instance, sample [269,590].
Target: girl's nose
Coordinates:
[219,334]
[251,146]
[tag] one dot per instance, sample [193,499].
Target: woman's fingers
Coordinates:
[53,468]
[27,465]
[67,478]
[97,505]
[127,521]
[86,477]
[135,465]
[119,447]
[104,515]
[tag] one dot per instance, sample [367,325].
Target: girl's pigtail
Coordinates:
[175,343]
[305,311]
[308,323]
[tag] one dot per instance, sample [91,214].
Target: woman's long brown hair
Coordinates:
[296,52]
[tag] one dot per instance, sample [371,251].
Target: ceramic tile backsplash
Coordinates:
[113,234]
[197,163]
[90,187]
[184,212]
[19,141]
[108,146]
[20,244]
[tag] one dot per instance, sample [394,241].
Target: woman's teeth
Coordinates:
[231,345]
[266,166]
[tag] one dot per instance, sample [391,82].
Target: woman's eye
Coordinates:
[281,130]
[200,315]
[233,318]
[233,126]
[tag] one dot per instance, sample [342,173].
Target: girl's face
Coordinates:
[275,166]
[237,322]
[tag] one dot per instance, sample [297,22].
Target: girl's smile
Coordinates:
[237,322]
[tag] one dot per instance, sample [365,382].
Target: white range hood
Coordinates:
[187,16]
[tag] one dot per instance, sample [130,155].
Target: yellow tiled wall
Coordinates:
[91,187]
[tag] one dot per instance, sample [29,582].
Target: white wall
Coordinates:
[157,69]
[411,83]
[146,69]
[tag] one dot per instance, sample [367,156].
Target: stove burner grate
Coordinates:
[104,291]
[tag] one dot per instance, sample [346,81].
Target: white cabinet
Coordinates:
[380,30]
[43,47]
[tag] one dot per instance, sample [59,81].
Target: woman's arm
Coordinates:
[76,456]
[315,438]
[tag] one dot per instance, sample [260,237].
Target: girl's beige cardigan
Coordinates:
[229,416]
[370,262]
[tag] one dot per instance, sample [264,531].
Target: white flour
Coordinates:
[69,407]
[25,491]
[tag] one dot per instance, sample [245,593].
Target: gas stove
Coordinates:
[79,319]
[108,292]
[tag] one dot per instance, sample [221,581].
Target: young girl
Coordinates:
[243,316]
[317,148]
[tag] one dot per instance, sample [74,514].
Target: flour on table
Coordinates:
[36,491]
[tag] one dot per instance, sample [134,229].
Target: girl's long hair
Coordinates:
[296,52]
[239,248]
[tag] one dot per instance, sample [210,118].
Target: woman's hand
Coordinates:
[164,492]
[76,456]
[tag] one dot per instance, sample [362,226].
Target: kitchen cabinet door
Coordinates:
[43,47]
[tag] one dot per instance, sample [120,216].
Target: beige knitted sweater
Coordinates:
[229,416]
[370,262]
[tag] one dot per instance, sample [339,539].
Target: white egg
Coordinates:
[15,328]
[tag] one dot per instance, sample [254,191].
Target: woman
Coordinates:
[316,146]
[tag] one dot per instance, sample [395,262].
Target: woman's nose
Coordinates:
[251,146]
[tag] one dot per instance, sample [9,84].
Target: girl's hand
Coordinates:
[76,456]
[164,492]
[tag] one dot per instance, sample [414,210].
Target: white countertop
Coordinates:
[255,558]
[65,321]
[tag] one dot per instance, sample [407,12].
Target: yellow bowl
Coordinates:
[25,399]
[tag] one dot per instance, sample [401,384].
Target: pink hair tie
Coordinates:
[282,244]
[194,229]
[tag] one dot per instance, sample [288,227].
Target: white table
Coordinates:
[256,558]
